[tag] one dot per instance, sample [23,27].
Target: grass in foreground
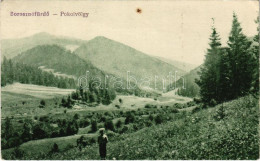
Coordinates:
[223,132]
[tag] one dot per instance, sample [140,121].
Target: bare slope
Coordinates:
[117,58]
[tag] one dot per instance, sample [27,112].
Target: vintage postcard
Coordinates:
[129,80]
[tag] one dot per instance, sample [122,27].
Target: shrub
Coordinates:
[108,114]
[130,118]
[174,110]
[72,127]
[124,129]
[148,123]
[55,148]
[44,119]
[84,123]
[140,112]
[220,113]
[18,153]
[81,142]
[63,102]
[197,100]
[103,119]
[213,102]
[42,104]
[148,106]
[196,109]
[92,141]
[204,106]
[178,105]
[117,106]
[118,123]
[158,119]
[191,103]
[135,127]
[93,125]
[76,116]
[75,95]
[109,125]
[120,100]
[133,112]
[150,117]
[20,121]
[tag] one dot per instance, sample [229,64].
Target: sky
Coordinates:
[176,30]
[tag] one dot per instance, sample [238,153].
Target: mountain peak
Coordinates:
[42,34]
[100,38]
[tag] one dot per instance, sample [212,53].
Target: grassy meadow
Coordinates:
[226,131]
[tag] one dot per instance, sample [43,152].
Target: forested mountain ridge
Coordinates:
[64,61]
[59,59]
[12,72]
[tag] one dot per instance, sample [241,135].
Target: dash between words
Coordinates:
[47,13]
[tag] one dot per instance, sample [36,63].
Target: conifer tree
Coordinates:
[106,98]
[255,51]
[81,91]
[240,59]
[8,128]
[224,81]
[209,74]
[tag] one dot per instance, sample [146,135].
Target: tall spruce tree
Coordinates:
[224,81]
[255,51]
[209,74]
[240,59]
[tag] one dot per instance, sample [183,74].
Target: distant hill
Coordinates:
[191,88]
[59,60]
[99,55]
[181,65]
[116,58]
[12,47]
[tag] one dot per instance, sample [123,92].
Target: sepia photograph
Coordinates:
[129,80]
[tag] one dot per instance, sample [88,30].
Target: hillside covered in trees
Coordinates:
[66,62]
[59,59]
[28,74]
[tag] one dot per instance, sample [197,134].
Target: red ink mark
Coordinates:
[139,10]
